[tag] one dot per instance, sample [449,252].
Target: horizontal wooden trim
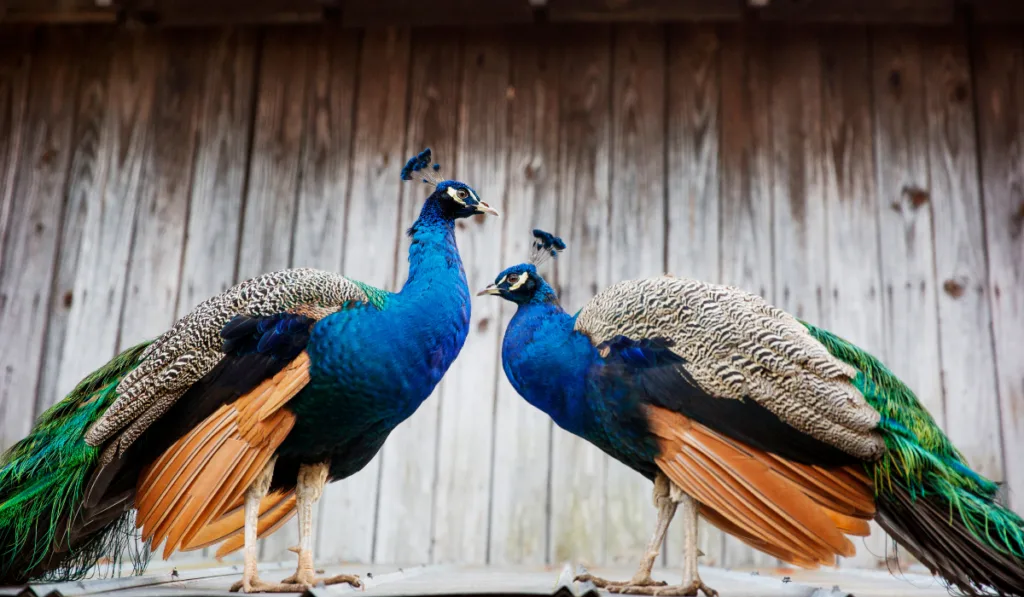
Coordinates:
[364,13]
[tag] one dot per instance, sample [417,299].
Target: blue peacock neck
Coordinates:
[546,360]
[433,254]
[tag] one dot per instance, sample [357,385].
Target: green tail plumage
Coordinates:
[42,481]
[929,500]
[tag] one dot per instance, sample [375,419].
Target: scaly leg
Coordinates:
[666,510]
[251,582]
[691,579]
[310,486]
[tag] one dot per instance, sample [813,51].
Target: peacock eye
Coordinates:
[513,278]
[462,194]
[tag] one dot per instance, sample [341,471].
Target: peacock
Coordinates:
[776,431]
[232,421]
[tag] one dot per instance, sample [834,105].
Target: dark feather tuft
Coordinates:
[545,246]
[422,164]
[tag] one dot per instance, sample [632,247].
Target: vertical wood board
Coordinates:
[578,469]
[521,496]
[965,332]
[999,60]
[466,416]
[31,243]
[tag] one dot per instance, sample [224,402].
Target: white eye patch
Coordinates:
[454,194]
[522,280]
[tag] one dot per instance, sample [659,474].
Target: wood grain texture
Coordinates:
[15,63]
[800,245]
[636,238]
[466,417]
[999,64]
[110,205]
[692,166]
[371,240]
[92,94]
[409,458]
[745,198]
[221,156]
[272,191]
[909,299]
[965,332]
[31,243]
[854,282]
[154,270]
[521,496]
[578,469]
[324,172]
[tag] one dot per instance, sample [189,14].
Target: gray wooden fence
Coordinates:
[870,180]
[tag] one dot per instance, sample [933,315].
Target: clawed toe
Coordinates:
[602,583]
[689,590]
[258,586]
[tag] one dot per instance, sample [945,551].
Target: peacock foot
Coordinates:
[255,585]
[689,590]
[638,580]
[307,579]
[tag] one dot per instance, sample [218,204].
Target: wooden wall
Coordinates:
[870,180]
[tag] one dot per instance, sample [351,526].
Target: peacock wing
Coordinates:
[192,348]
[742,367]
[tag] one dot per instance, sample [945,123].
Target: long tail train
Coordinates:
[42,480]
[929,500]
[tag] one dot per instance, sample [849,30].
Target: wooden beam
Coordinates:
[644,10]
[363,13]
[58,11]
[860,11]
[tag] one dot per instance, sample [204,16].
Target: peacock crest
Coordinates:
[545,246]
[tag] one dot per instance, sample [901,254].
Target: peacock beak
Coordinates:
[492,289]
[483,208]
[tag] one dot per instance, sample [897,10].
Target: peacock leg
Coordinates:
[666,510]
[310,486]
[251,582]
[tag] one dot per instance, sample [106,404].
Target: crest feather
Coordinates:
[422,164]
[545,246]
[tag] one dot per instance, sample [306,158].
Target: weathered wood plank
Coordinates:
[636,238]
[466,416]
[159,242]
[31,243]
[578,514]
[268,226]
[221,155]
[800,224]
[409,458]
[92,98]
[444,13]
[325,161]
[745,189]
[905,219]
[965,332]
[371,239]
[644,10]
[109,201]
[999,64]
[521,494]
[860,11]
[272,190]
[693,207]
[15,62]
[854,281]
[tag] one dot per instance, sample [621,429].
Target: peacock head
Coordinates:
[521,283]
[456,199]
